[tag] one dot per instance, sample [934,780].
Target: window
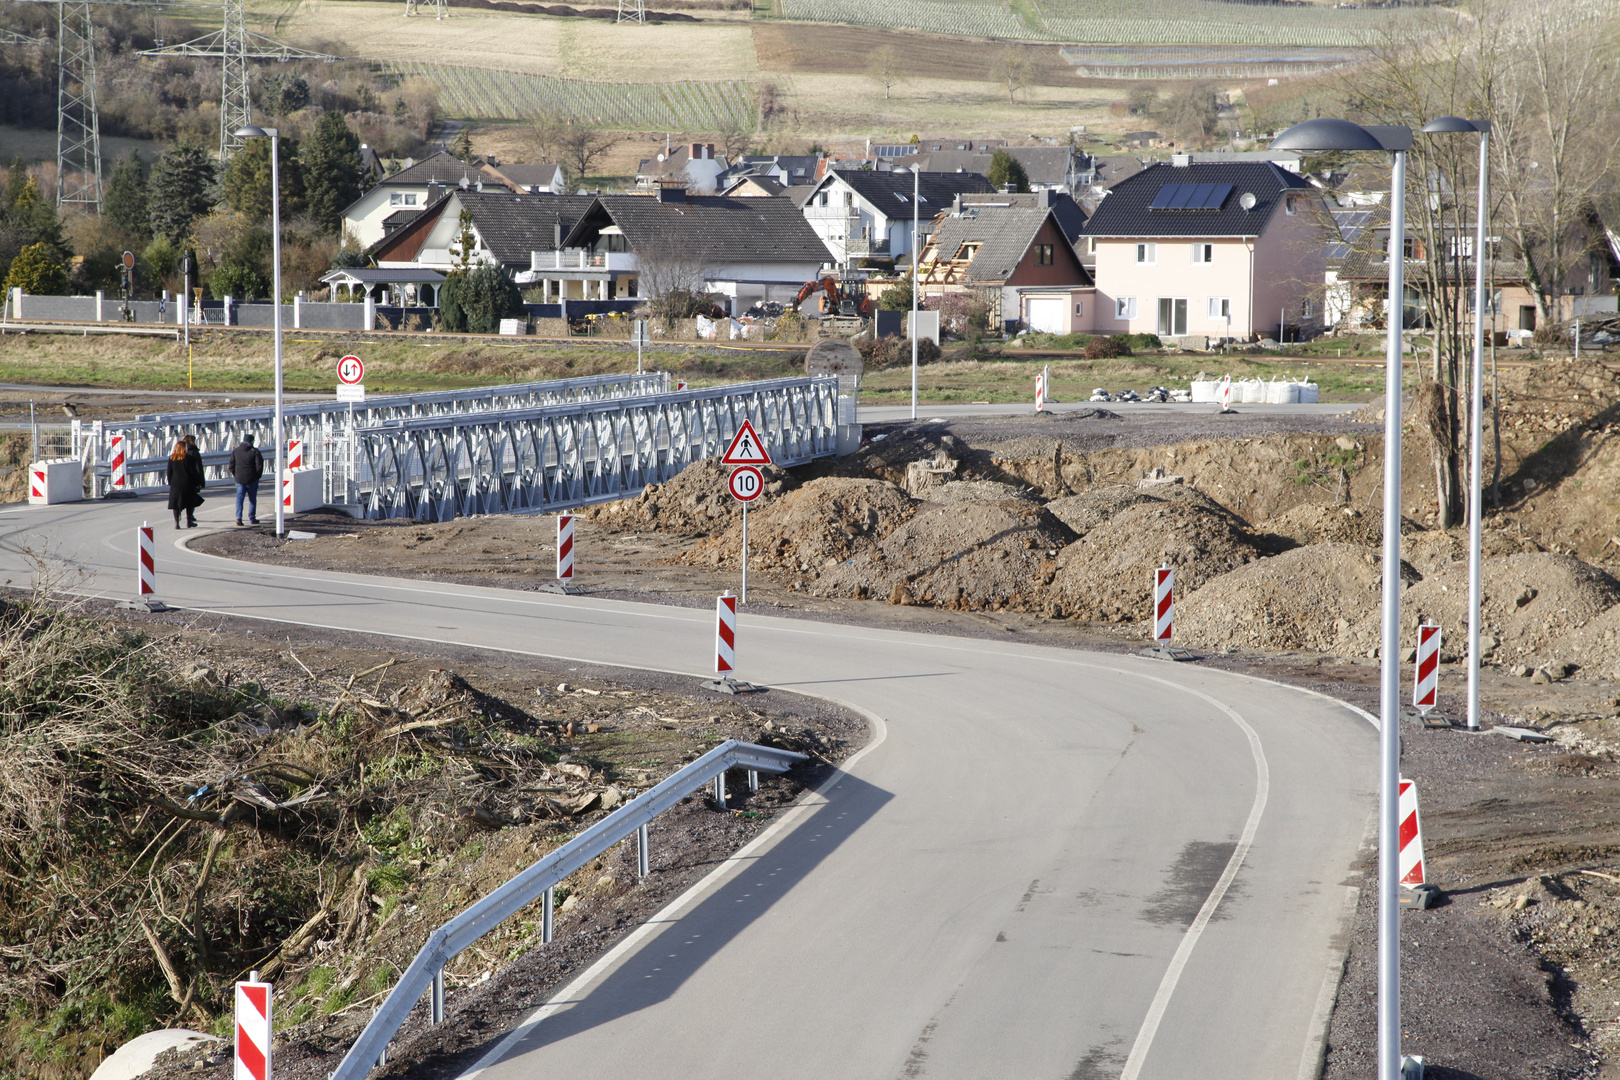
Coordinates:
[821,199]
[1203,253]
[1220,308]
[967,252]
[849,198]
[1091,245]
[1290,207]
[1079,308]
[1307,309]
[1172,317]
[1043,254]
[1147,254]
[1124,308]
[400,198]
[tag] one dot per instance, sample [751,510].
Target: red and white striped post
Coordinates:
[37,487]
[565,547]
[146,561]
[1426,680]
[1164,604]
[1040,391]
[253,1029]
[1411,862]
[295,453]
[120,477]
[1223,392]
[725,634]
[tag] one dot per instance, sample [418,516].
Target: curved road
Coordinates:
[1054,864]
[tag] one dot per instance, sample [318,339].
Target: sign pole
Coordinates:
[744,596]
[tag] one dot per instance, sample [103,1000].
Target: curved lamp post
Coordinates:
[916,250]
[1447,125]
[251,132]
[1341,135]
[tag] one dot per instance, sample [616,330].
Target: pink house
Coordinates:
[1200,252]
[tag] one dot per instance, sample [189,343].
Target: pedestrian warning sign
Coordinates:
[745,448]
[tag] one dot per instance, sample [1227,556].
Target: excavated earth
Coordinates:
[1048,527]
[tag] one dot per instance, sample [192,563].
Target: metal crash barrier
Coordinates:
[426,972]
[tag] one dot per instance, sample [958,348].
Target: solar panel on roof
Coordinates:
[1190,197]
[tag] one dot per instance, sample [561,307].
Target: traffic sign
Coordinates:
[746,448]
[129,260]
[351,370]
[746,483]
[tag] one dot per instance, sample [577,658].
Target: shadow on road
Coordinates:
[664,963]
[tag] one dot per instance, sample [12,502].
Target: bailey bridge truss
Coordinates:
[530,449]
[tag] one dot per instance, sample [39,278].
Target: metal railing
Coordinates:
[538,460]
[426,972]
[148,439]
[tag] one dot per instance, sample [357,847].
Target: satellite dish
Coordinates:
[1247,200]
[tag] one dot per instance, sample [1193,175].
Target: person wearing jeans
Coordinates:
[247,466]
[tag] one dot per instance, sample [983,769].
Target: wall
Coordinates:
[1290,267]
[1175,275]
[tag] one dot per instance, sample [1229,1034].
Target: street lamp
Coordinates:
[1476,405]
[1342,135]
[916,250]
[251,132]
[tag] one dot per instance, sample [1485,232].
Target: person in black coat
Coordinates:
[186,482]
[247,466]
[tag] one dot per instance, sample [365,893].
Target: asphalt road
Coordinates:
[1053,864]
[872,414]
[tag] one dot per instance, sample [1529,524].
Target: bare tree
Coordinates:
[1012,68]
[571,143]
[671,279]
[734,138]
[884,68]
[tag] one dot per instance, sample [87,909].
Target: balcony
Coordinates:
[581,259]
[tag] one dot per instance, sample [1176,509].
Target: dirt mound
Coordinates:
[967,556]
[1532,602]
[957,491]
[1594,648]
[825,521]
[1306,598]
[694,503]
[1309,523]
[1107,574]
[1086,511]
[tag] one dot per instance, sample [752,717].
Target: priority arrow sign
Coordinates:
[746,448]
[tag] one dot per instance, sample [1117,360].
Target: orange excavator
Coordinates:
[841,301]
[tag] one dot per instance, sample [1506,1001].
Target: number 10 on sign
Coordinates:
[745,483]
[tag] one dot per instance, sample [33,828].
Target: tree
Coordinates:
[247,179]
[180,189]
[37,270]
[34,216]
[284,92]
[1006,171]
[1191,111]
[461,147]
[475,301]
[582,144]
[333,175]
[897,297]
[672,277]
[1142,98]
[1012,68]
[126,204]
[464,248]
[884,68]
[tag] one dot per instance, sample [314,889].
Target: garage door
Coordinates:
[1048,314]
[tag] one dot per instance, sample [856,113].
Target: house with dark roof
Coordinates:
[750,186]
[525,179]
[694,164]
[506,229]
[1055,167]
[746,250]
[1016,258]
[865,216]
[409,189]
[1200,251]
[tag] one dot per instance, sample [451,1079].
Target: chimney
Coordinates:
[1180,161]
[672,191]
[556,235]
[435,192]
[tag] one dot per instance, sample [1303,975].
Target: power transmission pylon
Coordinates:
[235,45]
[78,131]
[632,11]
[439,11]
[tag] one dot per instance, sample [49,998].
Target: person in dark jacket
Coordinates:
[186,482]
[247,466]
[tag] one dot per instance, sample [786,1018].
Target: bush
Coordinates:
[1106,348]
[37,271]
[895,351]
[475,301]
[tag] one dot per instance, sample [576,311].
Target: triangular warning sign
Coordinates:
[746,448]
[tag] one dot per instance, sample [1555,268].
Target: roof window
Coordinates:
[1190,197]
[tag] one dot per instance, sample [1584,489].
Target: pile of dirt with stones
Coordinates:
[695,502]
[825,522]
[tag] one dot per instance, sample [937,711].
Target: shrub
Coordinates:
[475,301]
[893,351]
[1106,348]
[37,271]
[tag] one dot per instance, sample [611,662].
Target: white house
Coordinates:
[867,214]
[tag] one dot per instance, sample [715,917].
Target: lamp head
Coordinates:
[1326,134]
[1447,125]
[254,131]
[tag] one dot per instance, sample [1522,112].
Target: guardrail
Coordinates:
[426,972]
[148,439]
[536,460]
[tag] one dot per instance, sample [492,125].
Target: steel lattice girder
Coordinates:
[534,461]
[78,127]
[149,439]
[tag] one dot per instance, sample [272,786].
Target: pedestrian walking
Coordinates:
[247,466]
[186,482]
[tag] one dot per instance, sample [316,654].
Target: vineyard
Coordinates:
[1117,22]
[488,94]
[1203,62]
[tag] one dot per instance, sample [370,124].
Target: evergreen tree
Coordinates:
[247,179]
[475,301]
[126,206]
[34,216]
[333,176]
[180,190]
[38,271]
[461,147]
[1006,171]
[17,180]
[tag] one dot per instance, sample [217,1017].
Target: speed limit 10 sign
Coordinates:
[351,370]
[746,483]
